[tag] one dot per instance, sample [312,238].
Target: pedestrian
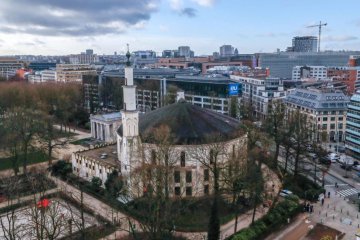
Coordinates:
[336,185]
[328,194]
[322,202]
[311,208]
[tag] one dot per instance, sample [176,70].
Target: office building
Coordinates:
[281,64]
[305,72]
[226,51]
[70,73]
[259,92]
[39,66]
[350,76]
[42,76]
[142,58]
[325,109]
[352,142]
[170,54]
[87,57]
[185,51]
[9,66]
[304,44]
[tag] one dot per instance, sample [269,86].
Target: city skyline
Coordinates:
[66,27]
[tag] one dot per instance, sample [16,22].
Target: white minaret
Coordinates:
[127,143]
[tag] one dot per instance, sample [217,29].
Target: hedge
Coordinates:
[273,220]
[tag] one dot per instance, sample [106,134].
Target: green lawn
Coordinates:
[64,134]
[33,157]
[83,142]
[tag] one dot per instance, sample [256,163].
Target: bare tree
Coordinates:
[274,124]
[10,224]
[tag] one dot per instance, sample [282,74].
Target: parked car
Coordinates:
[344,159]
[326,161]
[333,157]
[285,193]
[346,166]
[340,149]
[356,167]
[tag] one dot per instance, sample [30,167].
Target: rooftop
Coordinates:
[97,153]
[318,99]
[115,116]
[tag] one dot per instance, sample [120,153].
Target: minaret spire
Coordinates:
[128,55]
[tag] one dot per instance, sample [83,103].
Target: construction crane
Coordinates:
[319,26]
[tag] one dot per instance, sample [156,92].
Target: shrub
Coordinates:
[61,169]
[96,183]
[275,218]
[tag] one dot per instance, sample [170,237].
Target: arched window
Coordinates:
[212,156]
[182,159]
[153,157]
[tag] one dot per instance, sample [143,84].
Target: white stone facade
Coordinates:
[103,127]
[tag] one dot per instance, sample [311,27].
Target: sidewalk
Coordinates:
[296,230]
[27,198]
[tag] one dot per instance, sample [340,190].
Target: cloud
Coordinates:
[339,38]
[189,12]
[178,6]
[205,3]
[74,17]
[34,42]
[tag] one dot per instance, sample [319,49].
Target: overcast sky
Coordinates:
[52,27]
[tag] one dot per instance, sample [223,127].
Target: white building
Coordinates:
[305,72]
[104,126]
[70,73]
[42,76]
[260,92]
[34,78]
[325,108]
[48,75]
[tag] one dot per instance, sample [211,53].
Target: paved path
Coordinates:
[27,198]
[227,229]
[99,208]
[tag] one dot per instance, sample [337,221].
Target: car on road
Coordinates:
[285,193]
[333,157]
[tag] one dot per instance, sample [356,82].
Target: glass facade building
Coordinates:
[352,143]
[305,44]
[281,64]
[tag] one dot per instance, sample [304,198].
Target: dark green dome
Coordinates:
[188,124]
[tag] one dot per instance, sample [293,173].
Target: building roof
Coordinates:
[115,116]
[318,100]
[188,124]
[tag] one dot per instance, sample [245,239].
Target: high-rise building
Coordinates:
[304,44]
[226,51]
[170,53]
[87,57]
[89,52]
[184,51]
[352,142]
